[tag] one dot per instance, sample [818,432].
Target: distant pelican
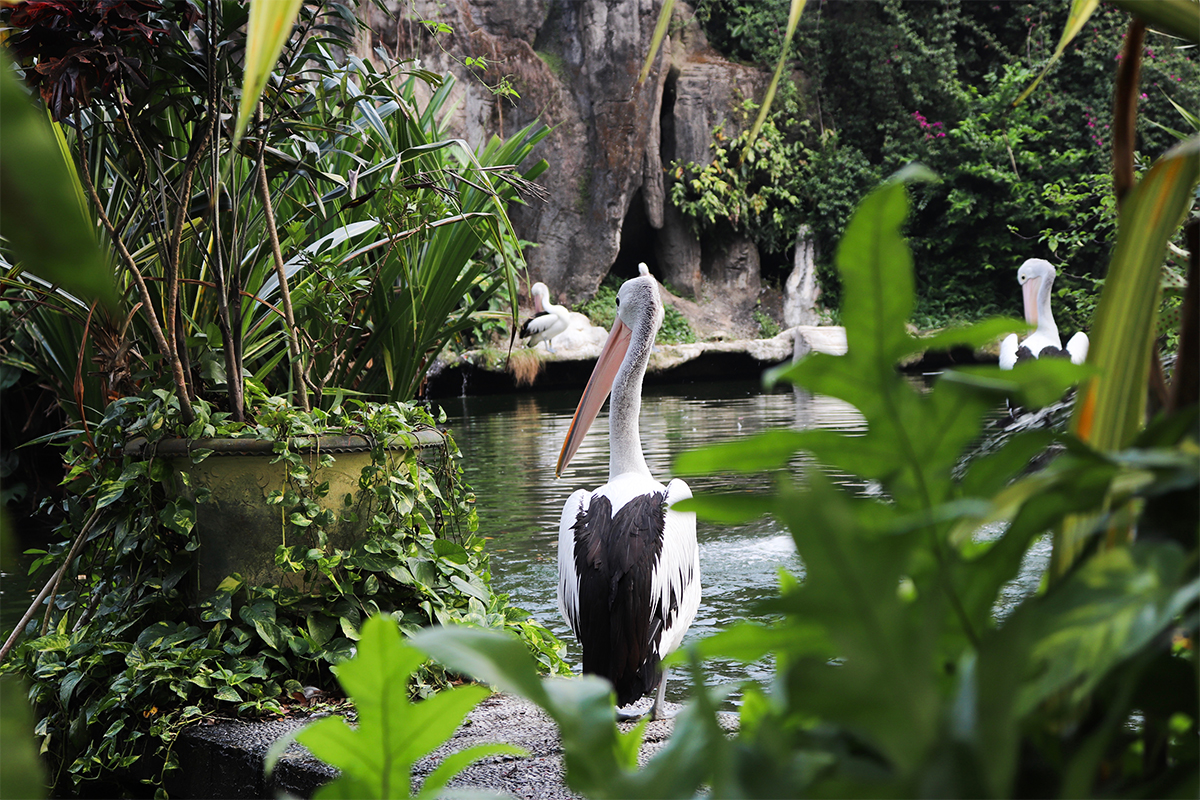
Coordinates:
[548,320]
[628,563]
[1036,277]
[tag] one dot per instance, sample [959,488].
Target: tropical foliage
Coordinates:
[127,648]
[262,283]
[894,676]
[936,84]
[347,187]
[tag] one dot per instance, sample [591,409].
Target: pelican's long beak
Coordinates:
[538,305]
[598,387]
[1030,293]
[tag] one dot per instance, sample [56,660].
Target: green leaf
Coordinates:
[764,451]
[42,215]
[496,658]
[268,29]
[1102,613]
[23,774]
[1112,404]
[228,694]
[1033,384]
[458,761]
[885,688]
[376,758]
[727,508]
[750,641]
[1177,17]
[794,11]
[110,492]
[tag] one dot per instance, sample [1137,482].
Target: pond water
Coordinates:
[510,445]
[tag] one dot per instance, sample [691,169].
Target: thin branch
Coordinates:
[51,584]
[284,292]
[185,404]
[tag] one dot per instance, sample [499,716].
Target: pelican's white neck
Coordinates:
[625,403]
[1046,325]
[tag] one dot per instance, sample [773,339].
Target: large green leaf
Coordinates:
[377,756]
[1177,17]
[1112,405]
[41,216]
[1101,614]
[885,688]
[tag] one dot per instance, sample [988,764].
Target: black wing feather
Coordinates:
[619,622]
[525,332]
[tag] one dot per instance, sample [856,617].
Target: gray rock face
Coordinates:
[575,64]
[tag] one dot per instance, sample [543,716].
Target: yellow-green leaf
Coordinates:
[793,20]
[1177,17]
[1112,404]
[660,33]
[1081,10]
[269,27]
[41,216]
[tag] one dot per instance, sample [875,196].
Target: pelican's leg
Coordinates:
[629,716]
[656,711]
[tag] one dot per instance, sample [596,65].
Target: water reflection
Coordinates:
[510,446]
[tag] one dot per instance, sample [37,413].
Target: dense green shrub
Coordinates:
[127,655]
[933,83]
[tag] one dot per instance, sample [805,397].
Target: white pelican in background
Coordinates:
[628,564]
[548,320]
[1036,276]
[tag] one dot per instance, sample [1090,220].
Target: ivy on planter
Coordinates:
[125,655]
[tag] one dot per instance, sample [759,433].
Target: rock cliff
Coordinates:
[574,65]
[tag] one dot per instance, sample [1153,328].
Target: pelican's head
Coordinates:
[541,296]
[639,301]
[1035,277]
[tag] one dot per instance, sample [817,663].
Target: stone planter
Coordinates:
[237,529]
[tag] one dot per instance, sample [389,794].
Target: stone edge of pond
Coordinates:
[481,372]
[225,759]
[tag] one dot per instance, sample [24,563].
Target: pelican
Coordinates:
[628,564]
[1036,276]
[548,320]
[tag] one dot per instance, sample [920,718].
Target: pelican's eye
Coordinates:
[618,302]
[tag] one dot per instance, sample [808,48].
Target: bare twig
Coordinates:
[1125,98]
[284,292]
[51,585]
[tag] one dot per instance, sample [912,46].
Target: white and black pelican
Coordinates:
[1036,276]
[628,564]
[548,320]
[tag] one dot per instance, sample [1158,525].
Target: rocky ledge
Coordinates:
[225,759]
[576,350]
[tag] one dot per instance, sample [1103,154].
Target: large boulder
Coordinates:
[574,66]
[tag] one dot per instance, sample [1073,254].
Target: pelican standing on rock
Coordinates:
[548,320]
[1036,276]
[628,563]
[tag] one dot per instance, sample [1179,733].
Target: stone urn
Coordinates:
[232,480]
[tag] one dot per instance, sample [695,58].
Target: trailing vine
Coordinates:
[129,656]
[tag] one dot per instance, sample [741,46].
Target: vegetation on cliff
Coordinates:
[934,83]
